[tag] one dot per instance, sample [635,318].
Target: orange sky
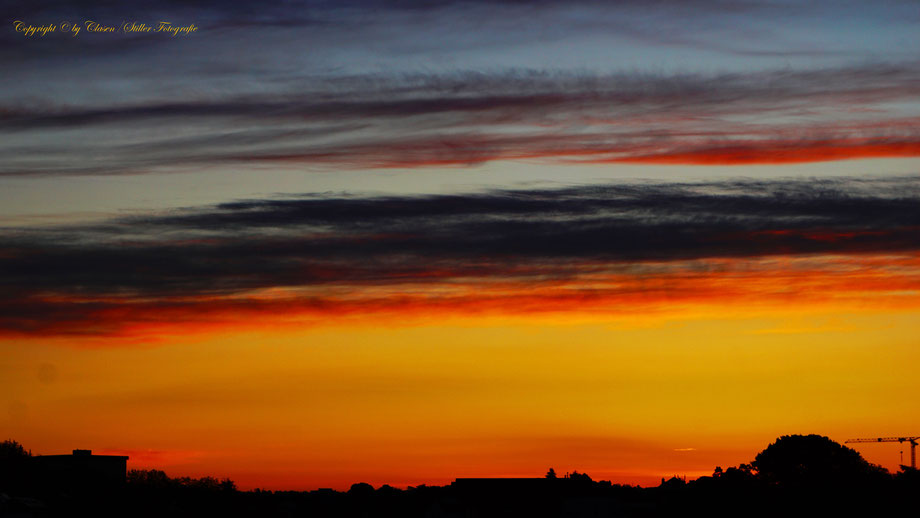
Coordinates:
[622,397]
[629,370]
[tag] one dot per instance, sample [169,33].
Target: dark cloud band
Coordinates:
[372,249]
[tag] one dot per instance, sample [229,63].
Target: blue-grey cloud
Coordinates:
[468,118]
[278,242]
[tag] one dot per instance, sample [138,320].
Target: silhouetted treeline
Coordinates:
[795,476]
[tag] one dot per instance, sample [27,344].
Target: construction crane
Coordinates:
[911,440]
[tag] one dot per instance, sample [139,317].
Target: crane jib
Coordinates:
[911,439]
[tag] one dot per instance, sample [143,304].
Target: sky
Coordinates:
[305,244]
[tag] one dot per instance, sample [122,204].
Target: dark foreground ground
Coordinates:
[728,494]
[796,476]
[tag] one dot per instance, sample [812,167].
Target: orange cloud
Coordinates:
[780,152]
[891,282]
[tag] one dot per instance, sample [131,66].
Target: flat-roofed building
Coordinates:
[81,470]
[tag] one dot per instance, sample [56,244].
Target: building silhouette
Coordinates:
[82,470]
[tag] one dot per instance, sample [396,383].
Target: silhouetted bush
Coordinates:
[813,460]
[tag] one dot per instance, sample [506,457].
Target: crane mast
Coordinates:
[912,440]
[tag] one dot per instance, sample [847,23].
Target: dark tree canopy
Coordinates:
[580,477]
[13,461]
[11,450]
[797,460]
[361,489]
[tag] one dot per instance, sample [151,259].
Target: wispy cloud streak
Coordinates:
[414,121]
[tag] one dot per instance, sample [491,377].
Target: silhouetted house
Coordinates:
[82,470]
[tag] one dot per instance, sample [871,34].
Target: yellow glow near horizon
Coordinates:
[329,406]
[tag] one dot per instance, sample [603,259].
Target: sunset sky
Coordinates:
[313,243]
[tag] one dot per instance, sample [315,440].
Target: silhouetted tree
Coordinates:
[154,479]
[13,465]
[361,490]
[575,475]
[148,478]
[551,473]
[12,450]
[800,460]
[227,485]
[673,482]
[581,479]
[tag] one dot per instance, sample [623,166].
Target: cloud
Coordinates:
[472,118]
[529,250]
